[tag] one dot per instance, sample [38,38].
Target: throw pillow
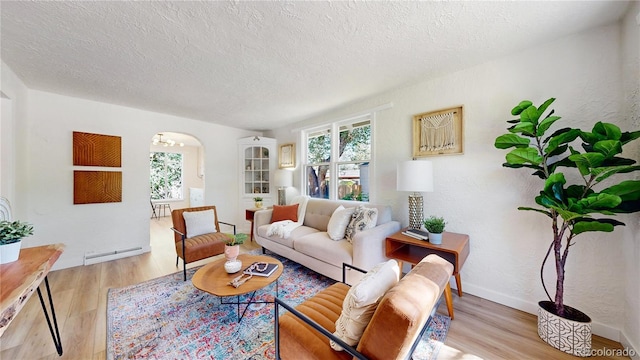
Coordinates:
[361,301]
[363,218]
[338,222]
[199,222]
[285,212]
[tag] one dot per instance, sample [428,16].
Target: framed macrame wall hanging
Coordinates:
[438,133]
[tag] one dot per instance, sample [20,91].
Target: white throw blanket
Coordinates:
[284,228]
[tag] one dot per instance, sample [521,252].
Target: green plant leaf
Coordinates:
[530,115]
[562,138]
[599,201]
[544,107]
[587,224]
[546,124]
[526,128]
[608,148]
[604,172]
[626,190]
[629,136]
[556,133]
[556,178]
[566,214]
[510,140]
[585,162]
[606,131]
[536,210]
[523,105]
[524,156]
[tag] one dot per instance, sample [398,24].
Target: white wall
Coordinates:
[47,178]
[480,198]
[631,112]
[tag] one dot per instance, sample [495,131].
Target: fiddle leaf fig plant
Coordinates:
[584,200]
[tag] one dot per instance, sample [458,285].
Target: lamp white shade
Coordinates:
[283,178]
[414,175]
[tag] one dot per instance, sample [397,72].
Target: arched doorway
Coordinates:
[176,180]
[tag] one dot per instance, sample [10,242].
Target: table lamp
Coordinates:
[415,176]
[283,179]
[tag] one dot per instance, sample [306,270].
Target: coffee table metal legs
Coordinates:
[238,303]
[56,337]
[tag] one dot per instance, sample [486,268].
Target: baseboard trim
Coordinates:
[532,308]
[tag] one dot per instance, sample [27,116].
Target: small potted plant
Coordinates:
[258,201]
[232,250]
[435,227]
[11,234]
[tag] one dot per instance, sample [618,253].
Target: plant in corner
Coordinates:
[435,226]
[575,204]
[11,234]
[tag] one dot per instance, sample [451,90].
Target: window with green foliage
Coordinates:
[339,154]
[166,176]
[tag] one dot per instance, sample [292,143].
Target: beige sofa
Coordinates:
[311,246]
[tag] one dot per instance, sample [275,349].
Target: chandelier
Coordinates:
[165,142]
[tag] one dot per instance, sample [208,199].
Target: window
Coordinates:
[338,158]
[166,176]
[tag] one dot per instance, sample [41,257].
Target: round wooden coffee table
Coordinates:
[213,279]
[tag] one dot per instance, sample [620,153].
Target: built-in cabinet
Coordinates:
[257,166]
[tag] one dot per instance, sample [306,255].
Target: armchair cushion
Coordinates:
[285,212]
[199,222]
[361,301]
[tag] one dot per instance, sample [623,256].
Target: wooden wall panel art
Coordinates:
[91,187]
[96,150]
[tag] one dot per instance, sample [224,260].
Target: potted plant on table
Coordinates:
[435,227]
[11,234]
[258,202]
[572,202]
[232,250]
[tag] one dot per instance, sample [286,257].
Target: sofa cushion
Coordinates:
[199,222]
[297,233]
[318,245]
[338,222]
[361,302]
[363,218]
[285,212]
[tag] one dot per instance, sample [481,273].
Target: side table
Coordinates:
[249,217]
[19,280]
[454,249]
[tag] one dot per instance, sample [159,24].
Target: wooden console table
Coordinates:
[454,249]
[21,277]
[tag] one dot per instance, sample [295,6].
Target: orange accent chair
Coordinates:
[199,247]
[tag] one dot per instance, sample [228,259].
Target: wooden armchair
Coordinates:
[194,248]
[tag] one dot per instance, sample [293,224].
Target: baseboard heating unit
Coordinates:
[94,257]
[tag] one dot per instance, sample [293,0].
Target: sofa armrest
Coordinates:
[352,351]
[262,217]
[368,245]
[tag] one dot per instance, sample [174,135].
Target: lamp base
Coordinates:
[282,196]
[415,211]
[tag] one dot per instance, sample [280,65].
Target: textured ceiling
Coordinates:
[263,65]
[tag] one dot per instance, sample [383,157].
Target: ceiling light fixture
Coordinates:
[166,142]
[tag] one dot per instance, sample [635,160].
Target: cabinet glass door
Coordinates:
[256,173]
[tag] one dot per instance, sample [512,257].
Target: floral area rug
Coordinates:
[167,318]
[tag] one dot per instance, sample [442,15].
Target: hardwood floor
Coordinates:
[482,329]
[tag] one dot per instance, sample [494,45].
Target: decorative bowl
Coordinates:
[233,266]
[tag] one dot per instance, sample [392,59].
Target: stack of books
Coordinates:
[261,269]
[417,234]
